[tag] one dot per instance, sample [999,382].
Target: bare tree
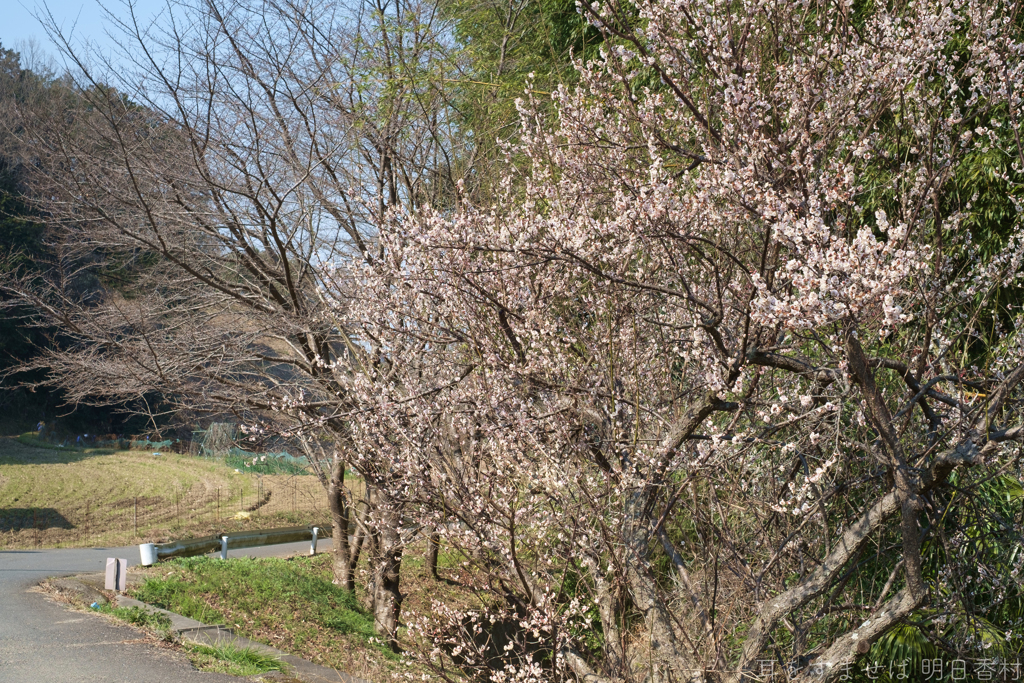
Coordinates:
[207,177]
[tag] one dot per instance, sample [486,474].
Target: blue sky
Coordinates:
[86,17]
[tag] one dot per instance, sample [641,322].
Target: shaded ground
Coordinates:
[17,519]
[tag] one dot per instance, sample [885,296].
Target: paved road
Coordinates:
[42,642]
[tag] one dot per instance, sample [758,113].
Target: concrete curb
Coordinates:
[215,634]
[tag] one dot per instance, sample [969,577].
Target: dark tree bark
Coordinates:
[433,546]
[346,552]
[385,568]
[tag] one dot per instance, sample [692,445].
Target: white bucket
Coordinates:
[148,553]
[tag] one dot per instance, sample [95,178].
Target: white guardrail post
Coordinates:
[148,553]
[151,553]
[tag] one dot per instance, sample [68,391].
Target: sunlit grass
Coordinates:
[289,604]
[230,658]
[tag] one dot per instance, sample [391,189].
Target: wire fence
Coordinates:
[201,509]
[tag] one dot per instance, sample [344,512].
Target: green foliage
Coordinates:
[904,648]
[972,562]
[138,616]
[587,629]
[268,463]
[508,48]
[181,597]
[21,235]
[143,618]
[234,659]
[975,214]
[508,42]
[24,251]
[20,232]
[266,593]
[10,64]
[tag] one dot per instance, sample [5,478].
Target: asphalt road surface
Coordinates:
[42,642]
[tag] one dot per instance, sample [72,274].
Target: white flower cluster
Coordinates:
[831,278]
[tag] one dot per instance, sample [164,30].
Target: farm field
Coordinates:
[60,497]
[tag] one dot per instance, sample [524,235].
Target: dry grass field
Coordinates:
[52,497]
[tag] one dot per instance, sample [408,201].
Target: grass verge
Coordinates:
[229,658]
[140,617]
[289,604]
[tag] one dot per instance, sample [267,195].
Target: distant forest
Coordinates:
[24,249]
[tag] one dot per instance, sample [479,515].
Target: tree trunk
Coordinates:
[344,558]
[433,546]
[386,564]
[608,606]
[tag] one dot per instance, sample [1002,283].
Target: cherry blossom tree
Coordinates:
[707,391]
[723,380]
